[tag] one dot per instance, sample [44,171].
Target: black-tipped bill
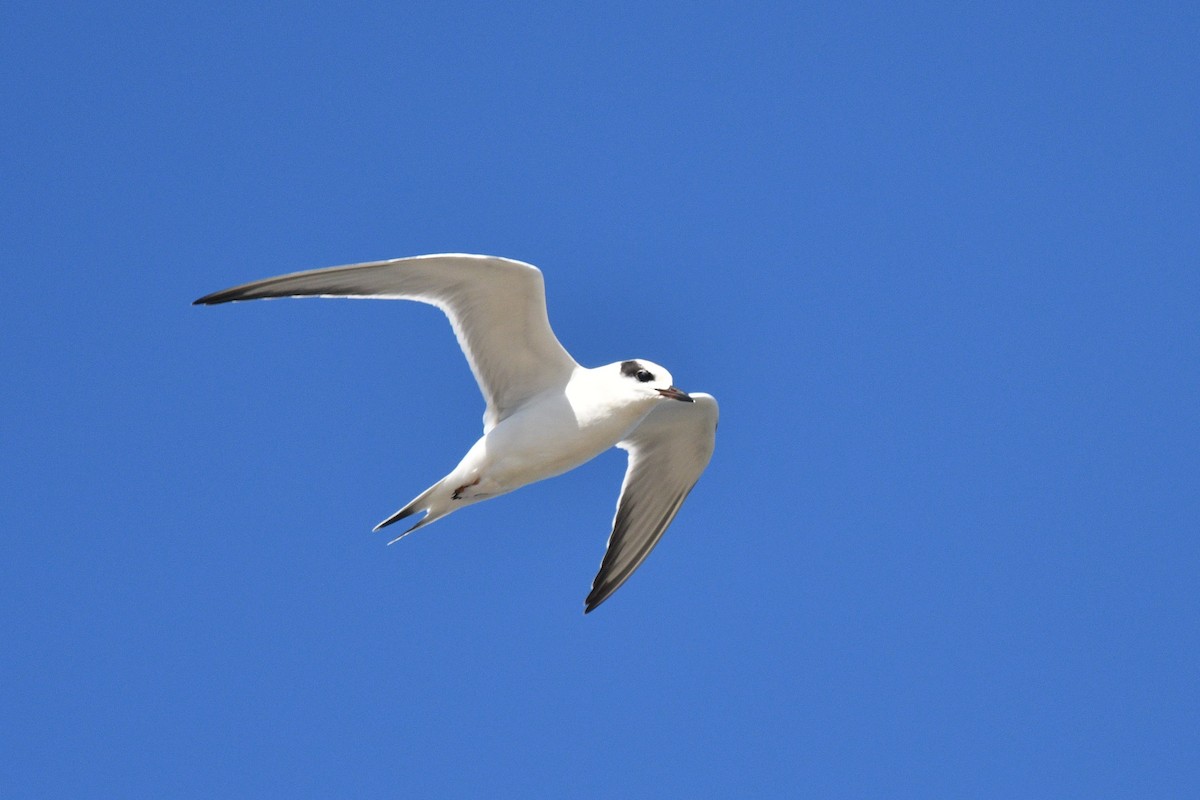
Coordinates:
[676,394]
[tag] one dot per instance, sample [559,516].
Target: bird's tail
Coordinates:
[420,503]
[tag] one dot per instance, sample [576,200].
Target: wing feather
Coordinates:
[667,453]
[496,306]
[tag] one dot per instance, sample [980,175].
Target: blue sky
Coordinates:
[939,265]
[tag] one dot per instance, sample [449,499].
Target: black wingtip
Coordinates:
[212,299]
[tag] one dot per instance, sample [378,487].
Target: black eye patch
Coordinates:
[633,369]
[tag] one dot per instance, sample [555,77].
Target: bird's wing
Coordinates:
[667,452]
[496,306]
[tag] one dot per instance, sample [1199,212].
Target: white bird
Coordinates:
[545,414]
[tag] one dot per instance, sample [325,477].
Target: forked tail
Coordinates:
[421,502]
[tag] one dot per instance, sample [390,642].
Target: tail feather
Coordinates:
[407,511]
[420,523]
[419,503]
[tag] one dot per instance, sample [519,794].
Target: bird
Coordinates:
[545,413]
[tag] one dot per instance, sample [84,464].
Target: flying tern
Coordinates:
[545,413]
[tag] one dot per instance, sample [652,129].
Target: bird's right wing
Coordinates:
[667,452]
[496,306]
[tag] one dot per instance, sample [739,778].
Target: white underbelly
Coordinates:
[545,441]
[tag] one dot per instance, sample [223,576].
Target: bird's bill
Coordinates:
[676,394]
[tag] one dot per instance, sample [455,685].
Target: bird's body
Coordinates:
[546,414]
[553,433]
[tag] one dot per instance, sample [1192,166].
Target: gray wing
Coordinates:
[496,306]
[667,453]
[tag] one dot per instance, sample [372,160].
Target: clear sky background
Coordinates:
[940,265]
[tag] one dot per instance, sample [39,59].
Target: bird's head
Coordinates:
[646,379]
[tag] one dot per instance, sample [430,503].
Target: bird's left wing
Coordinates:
[667,452]
[496,306]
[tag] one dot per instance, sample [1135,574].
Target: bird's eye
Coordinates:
[644,375]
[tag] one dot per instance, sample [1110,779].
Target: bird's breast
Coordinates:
[549,438]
